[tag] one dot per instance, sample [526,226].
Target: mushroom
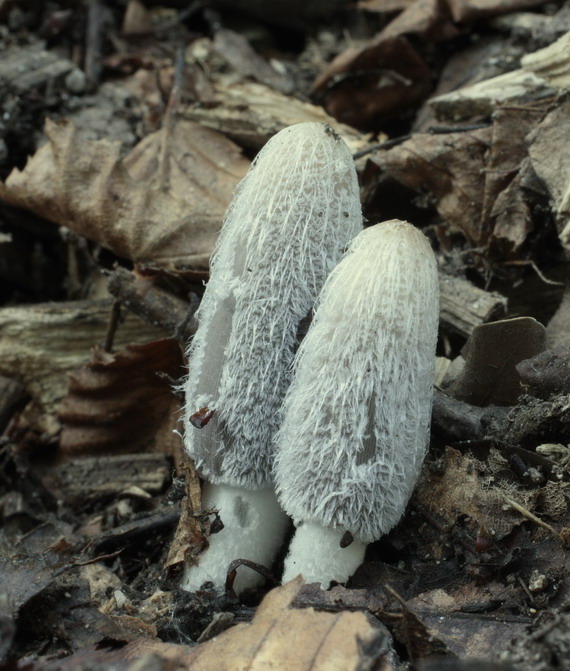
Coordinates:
[289,221]
[357,414]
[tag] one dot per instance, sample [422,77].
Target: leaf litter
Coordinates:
[98,506]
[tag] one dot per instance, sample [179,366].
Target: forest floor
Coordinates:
[124,128]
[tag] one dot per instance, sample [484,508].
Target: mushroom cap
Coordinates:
[290,218]
[357,414]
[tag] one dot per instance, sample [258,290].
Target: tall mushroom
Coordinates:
[285,230]
[357,414]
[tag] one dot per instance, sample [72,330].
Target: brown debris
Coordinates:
[163,203]
[369,86]
[490,376]
[123,401]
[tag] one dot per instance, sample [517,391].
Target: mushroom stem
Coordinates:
[314,544]
[254,526]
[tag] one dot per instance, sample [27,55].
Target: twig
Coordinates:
[169,116]
[94,44]
[526,513]
[112,326]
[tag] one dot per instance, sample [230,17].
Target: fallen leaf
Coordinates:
[299,640]
[450,168]
[369,86]
[552,164]
[123,401]
[163,204]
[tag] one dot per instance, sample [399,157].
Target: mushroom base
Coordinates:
[254,528]
[316,554]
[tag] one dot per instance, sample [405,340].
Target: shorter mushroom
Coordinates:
[357,414]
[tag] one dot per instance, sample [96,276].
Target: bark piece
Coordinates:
[482,98]
[252,113]
[463,306]
[41,344]
[551,63]
[138,531]
[153,304]
[162,204]
[491,354]
[103,477]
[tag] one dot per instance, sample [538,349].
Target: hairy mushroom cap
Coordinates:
[357,414]
[291,217]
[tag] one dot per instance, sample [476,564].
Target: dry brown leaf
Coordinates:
[369,86]
[189,539]
[451,168]
[299,640]
[551,161]
[163,204]
[505,215]
[122,401]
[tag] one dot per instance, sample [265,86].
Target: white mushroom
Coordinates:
[285,230]
[357,414]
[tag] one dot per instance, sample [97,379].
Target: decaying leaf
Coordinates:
[189,539]
[466,634]
[491,355]
[282,637]
[451,169]
[551,162]
[123,401]
[505,213]
[163,204]
[368,86]
[251,113]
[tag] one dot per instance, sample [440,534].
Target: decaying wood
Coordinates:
[101,477]
[251,113]
[137,531]
[551,63]
[152,304]
[482,98]
[40,344]
[463,306]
